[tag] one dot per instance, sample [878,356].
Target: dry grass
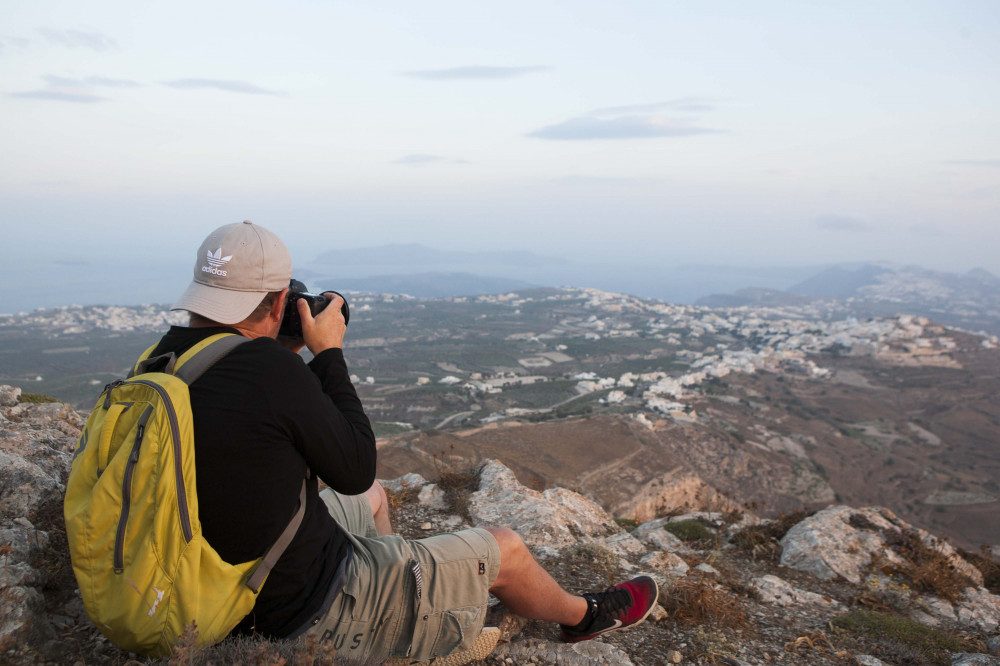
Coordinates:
[698,601]
[253,651]
[764,540]
[398,498]
[929,571]
[457,487]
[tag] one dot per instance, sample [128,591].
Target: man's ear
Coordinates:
[278,306]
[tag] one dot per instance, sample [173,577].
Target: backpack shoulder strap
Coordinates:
[194,362]
[138,367]
[277,549]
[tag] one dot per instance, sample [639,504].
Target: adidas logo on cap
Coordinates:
[215,260]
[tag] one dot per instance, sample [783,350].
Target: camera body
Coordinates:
[291,323]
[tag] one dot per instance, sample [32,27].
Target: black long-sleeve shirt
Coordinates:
[261,417]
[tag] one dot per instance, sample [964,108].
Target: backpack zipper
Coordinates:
[133,458]
[182,504]
[108,388]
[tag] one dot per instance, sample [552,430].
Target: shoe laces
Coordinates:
[613,602]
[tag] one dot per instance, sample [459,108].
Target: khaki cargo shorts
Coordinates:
[417,598]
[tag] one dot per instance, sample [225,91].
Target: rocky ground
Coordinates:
[841,586]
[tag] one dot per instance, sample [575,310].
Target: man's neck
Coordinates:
[248,329]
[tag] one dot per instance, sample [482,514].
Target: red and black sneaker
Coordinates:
[620,607]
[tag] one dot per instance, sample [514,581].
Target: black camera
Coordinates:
[291,323]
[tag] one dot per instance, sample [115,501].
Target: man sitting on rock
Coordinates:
[264,420]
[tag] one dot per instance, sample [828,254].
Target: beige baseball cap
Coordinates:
[236,266]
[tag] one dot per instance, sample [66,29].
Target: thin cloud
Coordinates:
[81,39]
[58,96]
[7,41]
[925,230]
[417,159]
[71,261]
[226,86]
[785,173]
[842,223]
[611,181]
[976,163]
[89,82]
[625,127]
[691,104]
[988,192]
[474,72]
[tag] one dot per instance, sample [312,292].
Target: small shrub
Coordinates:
[764,540]
[860,521]
[689,530]
[902,635]
[987,564]
[37,398]
[930,571]
[698,601]
[457,486]
[596,557]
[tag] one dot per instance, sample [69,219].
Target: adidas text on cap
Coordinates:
[236,266]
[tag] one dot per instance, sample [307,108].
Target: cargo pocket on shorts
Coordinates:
[440,634]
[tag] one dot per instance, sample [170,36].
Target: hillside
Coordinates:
[781,406]
[843,586]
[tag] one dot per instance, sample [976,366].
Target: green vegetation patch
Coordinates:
[627,523]
[689,530]
[386,429]
[37,398]
[897,634]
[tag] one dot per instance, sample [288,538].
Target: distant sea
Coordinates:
[128,281]
[53,284]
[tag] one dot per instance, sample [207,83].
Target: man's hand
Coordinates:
[326,330]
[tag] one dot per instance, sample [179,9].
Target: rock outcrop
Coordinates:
[36,444]
[844,542]
[674,490]
[547,521]
[841,541]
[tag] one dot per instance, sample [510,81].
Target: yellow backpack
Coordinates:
[144,569]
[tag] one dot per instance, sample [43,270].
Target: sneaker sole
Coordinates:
[485,642]
[642,619]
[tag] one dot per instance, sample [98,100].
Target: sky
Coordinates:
[757,134]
